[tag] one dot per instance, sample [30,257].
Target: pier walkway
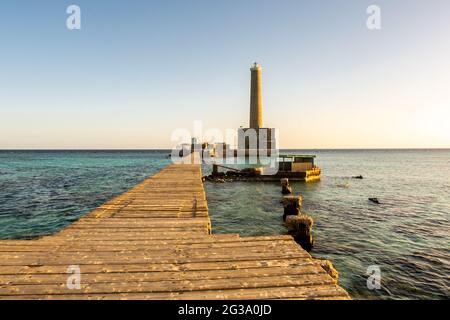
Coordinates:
[155,242]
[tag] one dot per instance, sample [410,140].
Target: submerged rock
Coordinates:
[374,200]
[219,174]
[232,173]
[217,178]
[345,185]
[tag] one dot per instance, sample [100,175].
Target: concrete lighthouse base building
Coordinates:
[256,140]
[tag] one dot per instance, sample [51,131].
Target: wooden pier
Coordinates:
[155,242]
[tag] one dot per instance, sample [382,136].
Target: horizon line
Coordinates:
[168,149]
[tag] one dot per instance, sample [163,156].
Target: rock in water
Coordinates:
[374,200]
[358,177]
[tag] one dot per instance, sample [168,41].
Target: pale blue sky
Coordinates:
[137,70]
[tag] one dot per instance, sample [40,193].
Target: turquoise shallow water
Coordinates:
[42,192]
[407,235]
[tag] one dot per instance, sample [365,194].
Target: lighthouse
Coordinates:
[256,140]
[256,97]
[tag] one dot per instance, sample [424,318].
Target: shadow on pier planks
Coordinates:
[155,242]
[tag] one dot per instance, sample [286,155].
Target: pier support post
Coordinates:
[285,187]
[215,170]
[292,206]
[300,227]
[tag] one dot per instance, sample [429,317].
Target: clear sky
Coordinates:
[137,70]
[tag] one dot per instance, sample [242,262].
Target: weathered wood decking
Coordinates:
[154,242]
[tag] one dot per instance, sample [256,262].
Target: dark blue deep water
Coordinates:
[407,235]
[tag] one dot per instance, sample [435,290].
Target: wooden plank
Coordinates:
[214,238]
[171,286]
[304,292]
[106,247]
[156,267]
[88,278]
[257,247]
[117,259]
